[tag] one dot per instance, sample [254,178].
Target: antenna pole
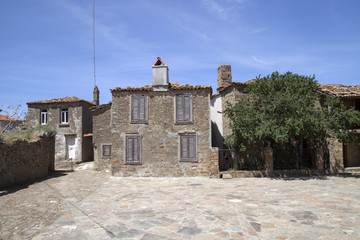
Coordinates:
[94,41]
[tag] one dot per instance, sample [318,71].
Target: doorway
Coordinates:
[70,147]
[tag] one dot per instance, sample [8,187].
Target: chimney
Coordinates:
[160,76]
[96,94]
[224,76]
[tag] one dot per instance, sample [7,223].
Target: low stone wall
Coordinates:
[274,173]
[23,161]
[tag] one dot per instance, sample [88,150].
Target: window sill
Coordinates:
[189,161]
[140,122]
[64,125]
[184,123]
[132,163]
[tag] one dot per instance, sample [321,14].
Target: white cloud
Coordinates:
[224,10]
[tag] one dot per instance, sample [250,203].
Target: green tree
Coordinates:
[283,108]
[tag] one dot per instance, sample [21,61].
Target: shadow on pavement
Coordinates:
[20,186]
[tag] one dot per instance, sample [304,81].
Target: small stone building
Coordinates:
[155,131]
[8,123]
[344,157]
[72,118]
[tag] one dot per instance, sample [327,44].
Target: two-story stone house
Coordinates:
[71,117]
[158,130]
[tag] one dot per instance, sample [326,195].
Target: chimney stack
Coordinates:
[96,94]
[160,76]
[224,76]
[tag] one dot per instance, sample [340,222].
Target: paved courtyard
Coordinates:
[86,204]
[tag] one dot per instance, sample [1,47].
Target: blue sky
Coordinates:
[46,45]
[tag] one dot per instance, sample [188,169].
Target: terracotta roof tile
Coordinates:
[61,100]
[174,86]
[338,90]
[7,118]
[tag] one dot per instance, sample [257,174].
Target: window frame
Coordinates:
[44,113]
[185,120]
[139,138]
[64,113]
[188,158]
[102,150]
[138,119]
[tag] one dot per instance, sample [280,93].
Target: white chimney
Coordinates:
[160,76]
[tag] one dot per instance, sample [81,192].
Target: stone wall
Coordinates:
[336,156]
[23,161]
[160,136]
[232,94]
[101,135]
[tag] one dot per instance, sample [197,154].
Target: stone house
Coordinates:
[159,130]
[344,157]
[9,123]
[72,118]
[339,156]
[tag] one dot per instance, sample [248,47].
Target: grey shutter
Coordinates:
[138,108]
[106,150]
[183,148]
[136,148]
[132,149]
[179,108]
[188,148]
[134,108]
[187,108]
[142,108]
[192,148]
[129,149]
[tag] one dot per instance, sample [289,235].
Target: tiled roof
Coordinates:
[338,90]
[61,100]
[7,118]
[174,86]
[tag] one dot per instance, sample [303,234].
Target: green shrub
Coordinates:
[31,134]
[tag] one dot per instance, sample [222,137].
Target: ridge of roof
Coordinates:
[70,99]
[174,86]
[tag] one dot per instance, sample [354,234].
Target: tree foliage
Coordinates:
[285,107]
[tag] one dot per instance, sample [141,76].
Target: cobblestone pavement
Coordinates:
[86,204]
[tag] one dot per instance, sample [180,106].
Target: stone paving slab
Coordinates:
[86,204]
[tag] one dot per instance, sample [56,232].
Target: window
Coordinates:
[183,108]
[138,108]
[43,117]
[106,150]
[188,149]
[133,146]
[64,116]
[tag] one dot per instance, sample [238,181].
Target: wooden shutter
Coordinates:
[106,150]
[183,108]
[179,108]
[187,108]
[184,148]
[132,149]
[188,148]
[138,108]
[134,108]
[142,108]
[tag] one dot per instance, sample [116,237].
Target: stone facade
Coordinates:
[23,161]
[155,139]
[101,135]
[70,126]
